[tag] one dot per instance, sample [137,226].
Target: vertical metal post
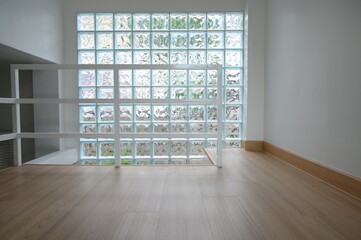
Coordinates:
[16,115]
[116,119]
[219,116]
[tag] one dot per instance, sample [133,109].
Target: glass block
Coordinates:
[88,162]
[196,127]
[125,113]
[123,40]
[105,77]
[141,40]
[197,21]
[233,76]
[106,113]
[160,93]
[104,21]
[197,40]
[142,113]
[86,77]
[179,77]
[160,77]
[89,149]
[125,128]
[179,40]
[212,77]
[196,148]
[196,113]
[125,93]
[142,93]
[106,149]
[196,93]
[197,57]
[142,128]
[126,148]
[160,57]
[212,113]
[212,93]
[234,21]
[215,40]
[123,57]
[234,40]
[178,127]
[215,57]
[86,41]
[179,113]
[86,22]
[232,130]
[161,127]
[160,40]
[233,144]
[104,40]
[141,21]
[105,93]
[160,113]
[123,21]
[232,95]
[179,148]
[211,142]
[87,114]
[143,162]
[125,77]
[88,128]
[142,77]
[141,57]
[197,77]
[178,57]
[215,21]
[178,21]
[212,128]
[87,93]
[105,57]
[179,93]
[106,128]
[232,113]
[233,58]
[86,57]
[143,148]
[161,148]
[160,21]
[106,162]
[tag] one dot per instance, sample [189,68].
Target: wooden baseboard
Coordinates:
[340,180]
[252,145]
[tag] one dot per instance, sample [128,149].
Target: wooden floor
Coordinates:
[254,196]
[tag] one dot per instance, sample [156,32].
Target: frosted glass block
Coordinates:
[196,127]
[106,128]
[233,144]
[179,148]
[160,40]
[197,57]
[234,21]
[179,93]
[105,57]
[161,148]
[105,77]
[87,93]
[86,77]
[178,21]
[89,149]
[126,149]
[212,77]
[142,77]
[142,128]
[196,113]
[125,77]
[86,57]
[212,113]
[232,130]
[215,57]
[196,148]
[125,113]
[212,128]
[179,127]
[125,93]
[123,21]
[197,21]
[105,93]
[179,40]
[160,113]
[233,76]
[143,148]
[123,57]
[215,40]
[141,40]
[197,77]
[197,40]
[141,57]
[104,40]
[215,21]
[88,128]
[232,113]
[142,113]
[232,95]
[179,77]
[160,93]
[234,40]
[86,22]
[86,41]
[211,143]
[106,113]
[179,113]
[161,127]
[160,57]
[212,93]
[178,57]
[123,40]
[125,128]
[87,114]
[106,149]
[160,77]
[196,93]
[233,58]
[160,21]
[141,21]
[142,93]
[104,21]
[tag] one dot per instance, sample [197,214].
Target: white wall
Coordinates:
[313,80]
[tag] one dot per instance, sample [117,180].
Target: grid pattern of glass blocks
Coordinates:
[159,38]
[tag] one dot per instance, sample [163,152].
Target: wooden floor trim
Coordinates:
[252,145]
[338,179]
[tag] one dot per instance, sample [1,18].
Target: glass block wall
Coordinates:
[159,38]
